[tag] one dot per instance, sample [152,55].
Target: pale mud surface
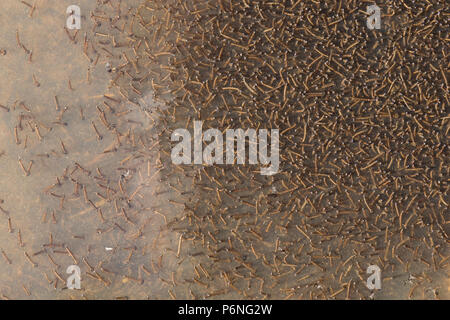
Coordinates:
[76,224]
[143,256]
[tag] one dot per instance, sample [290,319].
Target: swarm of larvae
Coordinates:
[364,159]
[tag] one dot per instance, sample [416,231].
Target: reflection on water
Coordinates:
[86,177]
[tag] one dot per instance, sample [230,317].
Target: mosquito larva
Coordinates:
[99,136]
[6,257]
[10,230]
[63,147]
[29,260]
[16,136]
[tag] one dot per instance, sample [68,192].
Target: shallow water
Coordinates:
[132,248]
